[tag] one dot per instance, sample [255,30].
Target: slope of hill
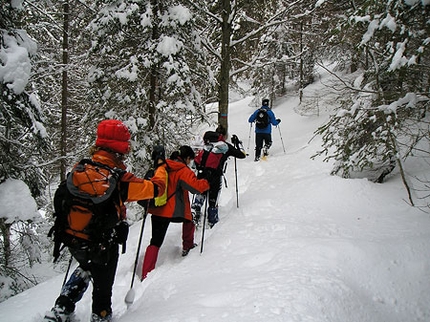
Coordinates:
[301,245]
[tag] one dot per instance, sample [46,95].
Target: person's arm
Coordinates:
[273,119]
[134,188]
[236,152]
[252,117]
[189,182]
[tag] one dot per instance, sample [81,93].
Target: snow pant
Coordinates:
[159,230]
[215,183]
[150,259]
[102,275]
[260,140]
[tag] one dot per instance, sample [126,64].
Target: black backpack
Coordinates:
[262,119]
[86,207]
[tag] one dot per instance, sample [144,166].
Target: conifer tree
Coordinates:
[147,59]
[22,142]
[385,121]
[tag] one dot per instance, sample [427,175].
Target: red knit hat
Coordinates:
[113,135]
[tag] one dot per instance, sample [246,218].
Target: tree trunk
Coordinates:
[64,91]
[224,76]
[5,233]
[301,63]
[153,79]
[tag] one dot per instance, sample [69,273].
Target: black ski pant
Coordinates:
[102,275]
[260,140]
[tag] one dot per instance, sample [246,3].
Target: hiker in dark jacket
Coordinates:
[214,176]
[263,135]
[112,144]
[181,181]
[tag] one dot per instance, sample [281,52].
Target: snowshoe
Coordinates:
[57,314]
[265,151]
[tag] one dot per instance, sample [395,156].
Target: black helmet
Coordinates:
[265,102]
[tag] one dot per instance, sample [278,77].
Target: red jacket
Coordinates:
[181,180]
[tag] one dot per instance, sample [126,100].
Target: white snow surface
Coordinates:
[302,246]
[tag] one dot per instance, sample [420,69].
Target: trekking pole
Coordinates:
[204,222]
[249,139]
[129,298]
[282,141]
[237,188]
[68,269]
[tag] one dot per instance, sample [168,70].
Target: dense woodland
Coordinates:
[156,64]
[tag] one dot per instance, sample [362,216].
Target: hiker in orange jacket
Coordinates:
[181,181]
[111,147]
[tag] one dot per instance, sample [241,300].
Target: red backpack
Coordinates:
[213,151]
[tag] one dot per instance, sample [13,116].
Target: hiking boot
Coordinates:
[57,314]
[265,152]
[186,251]
[212,216]
[257,159]
[97,318]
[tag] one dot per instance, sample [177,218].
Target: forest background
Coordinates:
[157,64]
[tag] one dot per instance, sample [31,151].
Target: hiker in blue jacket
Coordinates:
[264,118]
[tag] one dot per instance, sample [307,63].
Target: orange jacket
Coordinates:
[131,187]
[181,180]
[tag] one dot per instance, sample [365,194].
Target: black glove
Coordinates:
[159,153]
[121,232]
[235,140]
[278,120]
[149,174]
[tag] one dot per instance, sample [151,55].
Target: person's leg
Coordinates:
[267,143]
[258,145]
[196,207]
[159,230]
[212,216]
[214,190]
[103,275]
[149,260]
[188,229]
[73,290]
[214,193]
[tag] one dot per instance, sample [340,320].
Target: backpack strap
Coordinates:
[205,157]
[115,175]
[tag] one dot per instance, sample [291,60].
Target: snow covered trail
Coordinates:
[302,246]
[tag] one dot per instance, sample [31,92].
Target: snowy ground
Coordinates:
[302,246]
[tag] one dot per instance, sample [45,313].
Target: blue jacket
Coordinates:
[272,120]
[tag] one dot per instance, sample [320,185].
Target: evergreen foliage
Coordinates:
[140,78]
[23,142]
[385,120]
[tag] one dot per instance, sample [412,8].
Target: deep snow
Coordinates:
[302,246]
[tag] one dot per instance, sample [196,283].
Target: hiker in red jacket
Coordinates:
[181,181]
